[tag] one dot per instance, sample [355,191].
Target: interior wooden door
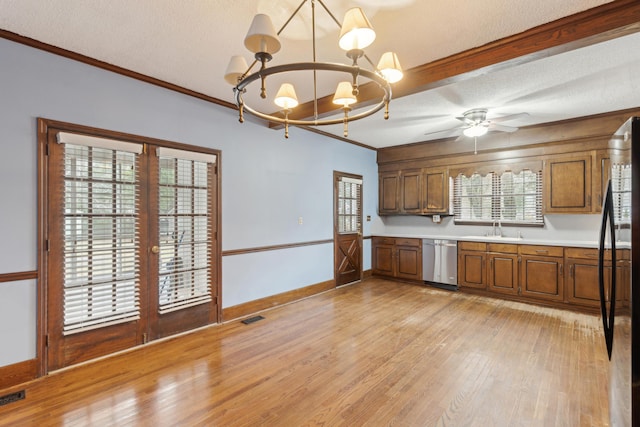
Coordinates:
[347,228]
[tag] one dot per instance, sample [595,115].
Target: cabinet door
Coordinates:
[541,277]
[382,260]
[582,286]
[568,184]
[410,190]
[503,273]
[409,262]
[388,200]
[436,191]
[471,269]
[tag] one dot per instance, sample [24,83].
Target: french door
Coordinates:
[131,243]
[347,189]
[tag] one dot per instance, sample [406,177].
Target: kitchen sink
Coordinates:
[492,238]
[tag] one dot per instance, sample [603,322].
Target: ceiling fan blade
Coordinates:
[509,117]
[447,133]
[501,128]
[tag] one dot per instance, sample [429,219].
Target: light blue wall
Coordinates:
[267,182]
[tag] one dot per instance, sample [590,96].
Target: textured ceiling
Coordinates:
[189,44]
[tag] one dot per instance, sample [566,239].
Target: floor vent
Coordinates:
[252,319]
[12,397]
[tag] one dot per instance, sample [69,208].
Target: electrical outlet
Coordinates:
[299,220]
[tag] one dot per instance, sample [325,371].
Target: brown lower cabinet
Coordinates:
[582,277]
[472,265]
[568,276]
[503,268]
[397,257]
[541,272]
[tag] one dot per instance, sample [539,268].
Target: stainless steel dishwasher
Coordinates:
[440,262]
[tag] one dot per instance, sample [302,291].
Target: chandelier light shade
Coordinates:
[356,33]
[236,68]
[389,66]
[262,36]
[286,97]
[344,95]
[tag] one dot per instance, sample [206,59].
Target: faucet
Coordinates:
[497,232]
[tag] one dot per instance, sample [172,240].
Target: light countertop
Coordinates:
[513,240]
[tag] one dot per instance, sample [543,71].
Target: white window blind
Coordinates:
[185,229]
[101,233]
[621,193]
[349,201]
[520,196]
[473,198]
[507,198]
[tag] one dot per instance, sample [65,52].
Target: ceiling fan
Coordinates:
[475,123]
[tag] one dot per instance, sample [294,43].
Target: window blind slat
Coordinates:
[507,198]
[101,232]
[185,230]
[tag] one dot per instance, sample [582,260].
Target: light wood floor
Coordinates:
[377,353]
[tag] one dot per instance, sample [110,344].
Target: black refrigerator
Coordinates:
[619,290]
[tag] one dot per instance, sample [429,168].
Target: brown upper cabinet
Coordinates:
[410,190]
[388,193]
[436,191]
[567,186]
[414,191]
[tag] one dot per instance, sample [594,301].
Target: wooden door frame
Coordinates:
[336,176]
[44,126]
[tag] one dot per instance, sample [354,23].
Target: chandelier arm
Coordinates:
[291,17]
[330,14]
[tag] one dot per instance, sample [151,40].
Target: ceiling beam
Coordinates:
[596,25]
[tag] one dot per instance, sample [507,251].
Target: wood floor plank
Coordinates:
[377,353]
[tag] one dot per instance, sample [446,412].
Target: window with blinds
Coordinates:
[101,232]
[185,228]
[509,197]
[621,193]
[349,201]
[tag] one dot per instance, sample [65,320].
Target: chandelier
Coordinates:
[356,33]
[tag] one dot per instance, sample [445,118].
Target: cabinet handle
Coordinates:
[571,271]
[542,251]
[561,269]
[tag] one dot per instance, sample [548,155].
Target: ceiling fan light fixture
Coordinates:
[476,130]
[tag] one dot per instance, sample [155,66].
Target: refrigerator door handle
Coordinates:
[607,321]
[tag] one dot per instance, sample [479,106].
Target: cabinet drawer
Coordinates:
[383,241]
[472,246]
[555,251]
[585,253]
[505,248]
[408,242]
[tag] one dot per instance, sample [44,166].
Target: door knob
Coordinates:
[155,249]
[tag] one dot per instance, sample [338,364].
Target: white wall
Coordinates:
[267,181]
